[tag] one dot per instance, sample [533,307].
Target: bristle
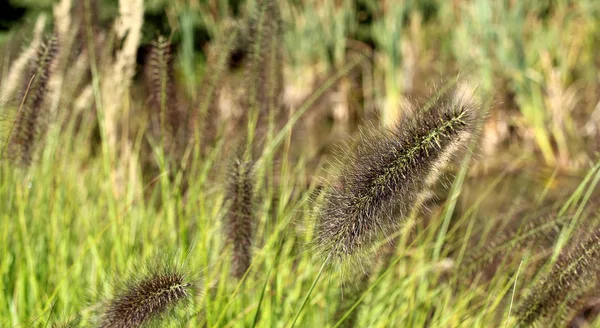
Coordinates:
[568,277]
[145,299]
[161,84]
[239,224]
[387,173]
[30,122]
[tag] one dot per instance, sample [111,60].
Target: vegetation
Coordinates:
[309,163]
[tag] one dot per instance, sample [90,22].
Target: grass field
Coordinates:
[307,163]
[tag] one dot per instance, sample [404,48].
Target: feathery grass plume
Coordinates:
[119,73]
[85,17]
[147,297]
[388,173]
[569,276]
[264,74]
[30,118]
[63,33]
[20,65]
[161,84]
[62,19]
[240,219]
[203,118]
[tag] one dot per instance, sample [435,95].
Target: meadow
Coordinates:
[306,163]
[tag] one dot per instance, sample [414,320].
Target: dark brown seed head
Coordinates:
[146,299]
[240,220]
[264,77]
[567,279]
[204,119]
[387,173]
[31,115]
[160,78]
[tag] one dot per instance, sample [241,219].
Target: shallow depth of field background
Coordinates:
[83,213]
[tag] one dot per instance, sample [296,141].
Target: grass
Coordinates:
[104,196]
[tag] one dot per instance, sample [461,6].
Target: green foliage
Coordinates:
[136,165]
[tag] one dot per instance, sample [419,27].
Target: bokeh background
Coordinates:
[534,62]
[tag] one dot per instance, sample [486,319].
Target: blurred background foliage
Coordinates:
[534,62]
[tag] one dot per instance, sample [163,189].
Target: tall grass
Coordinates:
[136,207]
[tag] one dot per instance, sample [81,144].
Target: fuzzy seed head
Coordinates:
[31,114]
[204,119]
[264,74]
[160,77]
[239,225]
[146,299]
[569,276]
[386,175]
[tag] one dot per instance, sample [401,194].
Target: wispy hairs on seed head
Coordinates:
[386,174]
[147,296]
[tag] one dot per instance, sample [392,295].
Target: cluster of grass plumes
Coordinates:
[147,297]
[240,220]
[389,172]
[111,217]
[568,279]
[31,114]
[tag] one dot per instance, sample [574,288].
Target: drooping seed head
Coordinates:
[387,174]
[147,298]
